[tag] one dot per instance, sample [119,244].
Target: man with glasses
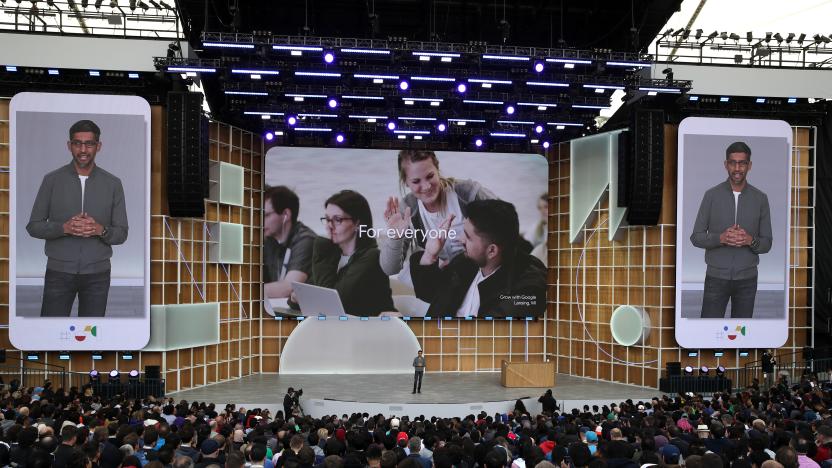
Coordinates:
[80,212]
[733,225]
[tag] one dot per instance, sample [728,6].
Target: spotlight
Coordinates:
[292,120]
[688,370]
[115,376]
[789,38]
[98,4]
[768,37]
[391,125]
[85,4]
[749,36]
[719,353]
[133,376]
[144,6]
[329,57]
[339,138]
[698,34]
[743,353]
[510,110]
[461,88]
[724,36]
[686,34]
[94,376]
[546,144]
[778,37]
[720,371]
[403,85]
[478,142]
[538,129]
[677,32]
[333,103]
[734,36]
[703,370]
[64,356]
[269,136]
[693,353]
[713,35]
[801,38]
[538,67]
[441,127]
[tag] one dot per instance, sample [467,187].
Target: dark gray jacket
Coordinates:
[419,363]
[716,214]
[59,199]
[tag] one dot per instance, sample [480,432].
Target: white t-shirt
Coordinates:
[83,186]
[342,262]
[471,304]
[736,204]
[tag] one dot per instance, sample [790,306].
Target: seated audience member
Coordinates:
[287,243]
[493,277]
[348,262]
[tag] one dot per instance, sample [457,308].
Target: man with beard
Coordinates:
[733,225]
[494,278]
[80,212]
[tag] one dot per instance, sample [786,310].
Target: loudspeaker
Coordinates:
[2,355]
[645,180]
[152,373]
[673,368]
[624,152]
[187,155]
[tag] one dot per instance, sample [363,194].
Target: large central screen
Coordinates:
[413,233]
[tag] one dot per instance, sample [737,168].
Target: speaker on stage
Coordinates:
[187,155]
[152,372]
[645,168]
[673,368]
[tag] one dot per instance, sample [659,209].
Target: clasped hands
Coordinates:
[735,236]
[83,225]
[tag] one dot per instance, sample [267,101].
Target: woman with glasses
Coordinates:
[430,201]
[349,262]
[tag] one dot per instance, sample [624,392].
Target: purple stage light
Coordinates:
[461,88]
[510,110]
[292,120]
[538,67]
[339,138]
[546,144]
[539,129]
[441,127]
[391,125]
[269,136]
[329,57]
[403,85]
[478,142]
[333,103]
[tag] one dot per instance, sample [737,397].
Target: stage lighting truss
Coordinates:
[485,89]
[726,48]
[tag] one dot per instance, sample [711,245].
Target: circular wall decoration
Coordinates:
[629,325]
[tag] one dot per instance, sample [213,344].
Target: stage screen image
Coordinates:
[80,222]
[732,238]
[451,234]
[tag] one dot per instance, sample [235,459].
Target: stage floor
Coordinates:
[444,388]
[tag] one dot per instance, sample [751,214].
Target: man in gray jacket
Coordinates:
[733,225]
[80,212]
[419,367]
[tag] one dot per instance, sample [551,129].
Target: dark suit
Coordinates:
[501,295]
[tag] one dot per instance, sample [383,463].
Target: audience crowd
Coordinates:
[780,427]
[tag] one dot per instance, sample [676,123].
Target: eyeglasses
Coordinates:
[736,163]
[89,144]
[336,220]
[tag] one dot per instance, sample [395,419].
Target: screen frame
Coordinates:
[703,333]
[114,333]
